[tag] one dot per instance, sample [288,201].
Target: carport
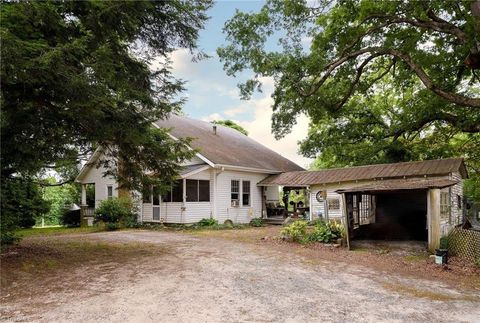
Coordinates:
[395,210]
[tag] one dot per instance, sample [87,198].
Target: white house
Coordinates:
[220,182]
[235,178]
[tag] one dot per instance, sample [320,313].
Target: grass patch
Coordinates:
[24,233]
[425,294]
[416,257]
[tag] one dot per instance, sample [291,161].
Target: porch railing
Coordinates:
[87,211]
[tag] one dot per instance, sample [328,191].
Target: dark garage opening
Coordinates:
[399,215]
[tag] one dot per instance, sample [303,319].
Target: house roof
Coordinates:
[369,172]
[227,147]
[400,184]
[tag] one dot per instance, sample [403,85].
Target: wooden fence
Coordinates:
[464,243]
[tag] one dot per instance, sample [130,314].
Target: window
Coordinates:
[204,191]
[147,195]
[175,194]
[198,190]
[445,205]
[192,190]
[109,191]
[235,192]
[245,193]
[333,204]
[459,201]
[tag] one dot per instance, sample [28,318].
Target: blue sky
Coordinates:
[212,95]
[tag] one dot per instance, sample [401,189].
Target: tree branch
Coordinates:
[417,69]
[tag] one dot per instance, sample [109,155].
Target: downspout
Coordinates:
[215,188]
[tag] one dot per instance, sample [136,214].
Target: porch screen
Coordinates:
[175,194]
[198,190]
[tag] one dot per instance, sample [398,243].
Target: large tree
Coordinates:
[381,81]
[76,75]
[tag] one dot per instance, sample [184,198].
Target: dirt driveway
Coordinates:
[178,277]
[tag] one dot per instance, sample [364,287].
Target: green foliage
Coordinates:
[256,222]
[60,197]
[70,218]
[444,242]
[477,262]
[75,75]
[207,222]
[359,70]
[115,212]
[326,232]
[21,202]
[296,231]
[233,125]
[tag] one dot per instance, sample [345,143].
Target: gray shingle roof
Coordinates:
[227,146]
[380,171]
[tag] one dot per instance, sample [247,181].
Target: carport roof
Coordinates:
[369,172]
[399,184]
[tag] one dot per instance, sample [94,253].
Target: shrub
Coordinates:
[256,222]
[115,212]
[70,218]
[444,242]
[326,232]
[207,222]
[296,231]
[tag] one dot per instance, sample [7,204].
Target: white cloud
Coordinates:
[260,130]
[213,117]
[259,127]
[234,111]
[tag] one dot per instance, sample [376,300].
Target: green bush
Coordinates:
[444,242]
[115,213]
[207,222]
[326,232]
[256,222]
[296,231]
[70,218]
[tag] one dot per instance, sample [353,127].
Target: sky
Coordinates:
[212,95]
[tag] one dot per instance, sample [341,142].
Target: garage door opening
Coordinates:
[398,215]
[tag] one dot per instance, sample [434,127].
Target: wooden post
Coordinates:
[84,194]
[347,221]
[433,219]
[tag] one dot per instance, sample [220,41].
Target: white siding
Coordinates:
[95,176]
[188,212]
[240,214]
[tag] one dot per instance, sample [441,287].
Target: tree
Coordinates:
[59,197]
[382,81]
[77,75]
[233,125]
[21,202]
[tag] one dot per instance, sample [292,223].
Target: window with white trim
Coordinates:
[445,209]
[235,192]
[333,204]
[246,193]
[109,191]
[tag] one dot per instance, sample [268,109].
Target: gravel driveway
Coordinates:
[207,279]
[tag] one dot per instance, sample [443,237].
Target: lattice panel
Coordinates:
[464,243]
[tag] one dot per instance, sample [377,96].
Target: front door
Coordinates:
[156,207]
